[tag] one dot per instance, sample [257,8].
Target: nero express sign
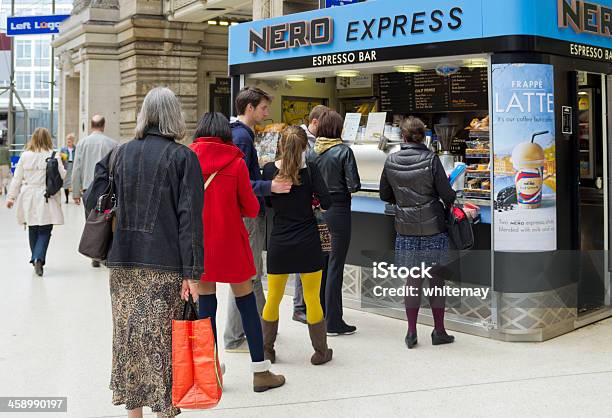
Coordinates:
[585,17]
[34,25]
[320,31]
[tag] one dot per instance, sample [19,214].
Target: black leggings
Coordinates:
[338,219]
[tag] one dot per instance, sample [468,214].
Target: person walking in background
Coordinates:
[252,105]
[414,180]
[313,124]
[295,245]
[68,154]
[339,169]
[28,187]
[156,256]
[5,166]
[299,306]
[91,150]
[228,198]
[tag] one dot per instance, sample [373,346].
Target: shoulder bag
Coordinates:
[97,235]
[460,229]
[324,233]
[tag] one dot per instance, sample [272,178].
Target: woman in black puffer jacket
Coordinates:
[415,181]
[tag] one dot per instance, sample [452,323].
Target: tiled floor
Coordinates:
[55,336]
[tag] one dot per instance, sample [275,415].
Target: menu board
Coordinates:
[431,92]
[396,92]
[469,89]
[426,91]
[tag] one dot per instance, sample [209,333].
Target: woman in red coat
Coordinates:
[228,197]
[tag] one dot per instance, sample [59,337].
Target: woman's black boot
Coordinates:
[411,339]
[441,337]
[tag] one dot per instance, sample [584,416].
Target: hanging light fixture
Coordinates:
[347,73]
[408,68]
[476,63]
[295,77]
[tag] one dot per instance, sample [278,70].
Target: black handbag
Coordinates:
[97,235]
[460,229]
[324,233]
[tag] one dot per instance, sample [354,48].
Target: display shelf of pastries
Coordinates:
[478,170]
[478,174]
[479,125]
[477,188]
[476,193]
[476,154]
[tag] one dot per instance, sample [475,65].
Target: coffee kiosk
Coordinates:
[518,93]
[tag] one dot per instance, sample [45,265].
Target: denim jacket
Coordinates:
[160,196]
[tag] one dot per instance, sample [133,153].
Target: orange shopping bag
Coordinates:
[196,375]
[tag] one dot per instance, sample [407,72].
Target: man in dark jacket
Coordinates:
[252,106]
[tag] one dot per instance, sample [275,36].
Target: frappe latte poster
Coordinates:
[524,181]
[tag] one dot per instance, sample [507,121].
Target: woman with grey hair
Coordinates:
[156,257]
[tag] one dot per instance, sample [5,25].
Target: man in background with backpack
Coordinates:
[91,150]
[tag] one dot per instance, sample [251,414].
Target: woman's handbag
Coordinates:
[97,235]
[460,229]
[324,233]
[197,382]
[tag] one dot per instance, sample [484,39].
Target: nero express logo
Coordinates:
[585,17]
[292,35]
[320,31]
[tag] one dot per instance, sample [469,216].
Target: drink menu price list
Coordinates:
[429,92]
[468,89]
[396,92]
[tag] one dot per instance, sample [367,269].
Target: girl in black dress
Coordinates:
[295,245]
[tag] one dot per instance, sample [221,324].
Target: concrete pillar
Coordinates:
[121,49]
[99,87]
[68,108]
[264,9]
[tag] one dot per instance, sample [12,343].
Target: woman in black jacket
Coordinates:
[415,181]
[339,169]
[295,245]
[157,254]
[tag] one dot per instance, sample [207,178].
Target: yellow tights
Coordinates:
[311,282]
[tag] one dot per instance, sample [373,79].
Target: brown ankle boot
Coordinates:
[263,378]
[269,336]
[318,337]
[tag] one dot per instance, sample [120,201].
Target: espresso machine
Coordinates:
[446,133]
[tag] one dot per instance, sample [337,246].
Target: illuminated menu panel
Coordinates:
[427,91]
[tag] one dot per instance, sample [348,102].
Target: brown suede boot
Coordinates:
[269,336]
[318,337]
[263,378]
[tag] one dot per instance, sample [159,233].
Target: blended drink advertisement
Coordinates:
[524,181]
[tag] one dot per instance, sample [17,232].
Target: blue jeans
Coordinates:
[40,235]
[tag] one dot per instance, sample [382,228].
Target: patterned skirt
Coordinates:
[412,250]
[144,303]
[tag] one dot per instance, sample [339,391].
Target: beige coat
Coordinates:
[28,188]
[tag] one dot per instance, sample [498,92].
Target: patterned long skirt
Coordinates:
[144,303]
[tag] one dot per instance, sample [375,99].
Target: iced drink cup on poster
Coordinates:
[528,161]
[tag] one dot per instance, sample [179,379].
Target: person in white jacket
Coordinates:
[28,189]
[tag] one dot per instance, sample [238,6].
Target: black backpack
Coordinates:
[54,181]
